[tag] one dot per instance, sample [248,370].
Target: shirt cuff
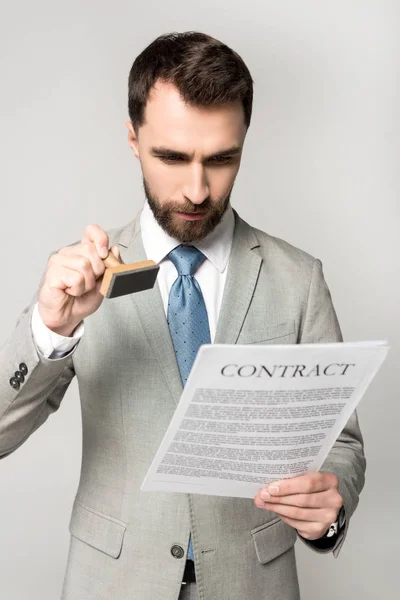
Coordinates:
[48,341]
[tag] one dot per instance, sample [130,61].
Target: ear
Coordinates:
[133,139]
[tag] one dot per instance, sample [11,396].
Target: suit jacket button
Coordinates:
[14,383]
[177,551]
[19,377]
[23,368]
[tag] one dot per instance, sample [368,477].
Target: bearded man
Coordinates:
[220,280]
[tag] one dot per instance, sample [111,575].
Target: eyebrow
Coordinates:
[163,151]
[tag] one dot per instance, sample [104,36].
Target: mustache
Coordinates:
[188,207]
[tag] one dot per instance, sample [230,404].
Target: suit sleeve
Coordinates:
[346,459]
[31,385]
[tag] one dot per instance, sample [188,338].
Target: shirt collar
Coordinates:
[216,246]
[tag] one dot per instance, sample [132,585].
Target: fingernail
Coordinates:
[103,252]
[264,495]
[273,489]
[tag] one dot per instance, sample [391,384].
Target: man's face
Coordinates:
[190,157]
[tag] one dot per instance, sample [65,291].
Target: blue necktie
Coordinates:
[187,315]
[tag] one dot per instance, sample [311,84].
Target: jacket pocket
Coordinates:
[97,530]
[272,539]
[274,333]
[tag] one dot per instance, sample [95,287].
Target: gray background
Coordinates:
[318,170]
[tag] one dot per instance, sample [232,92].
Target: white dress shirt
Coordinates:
[211,276]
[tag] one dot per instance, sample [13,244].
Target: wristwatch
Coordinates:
[338,525]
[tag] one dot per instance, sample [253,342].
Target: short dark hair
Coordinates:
[204,70]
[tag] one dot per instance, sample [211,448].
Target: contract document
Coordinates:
[252,414]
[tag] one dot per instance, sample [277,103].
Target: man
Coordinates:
[220,280]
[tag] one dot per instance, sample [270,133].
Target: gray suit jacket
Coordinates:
[129,386]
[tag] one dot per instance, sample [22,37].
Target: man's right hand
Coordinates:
[70,291]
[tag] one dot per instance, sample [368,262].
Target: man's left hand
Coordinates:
[309,503]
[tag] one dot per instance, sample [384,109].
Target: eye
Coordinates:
[171,158]
[221,160]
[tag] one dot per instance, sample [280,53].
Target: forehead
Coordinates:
[170,121]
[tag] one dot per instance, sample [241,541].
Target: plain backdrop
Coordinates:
[319,170]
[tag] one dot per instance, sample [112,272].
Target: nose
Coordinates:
[196,188]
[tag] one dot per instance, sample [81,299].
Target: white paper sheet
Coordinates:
[253,414]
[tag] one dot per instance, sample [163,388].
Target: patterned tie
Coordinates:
[187,314]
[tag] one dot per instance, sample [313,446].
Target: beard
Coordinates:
[180,229]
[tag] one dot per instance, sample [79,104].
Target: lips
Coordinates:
[191,216]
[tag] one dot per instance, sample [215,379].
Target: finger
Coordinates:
[74,262]
[326,499]
[70,281]
[94,233]
[116,252]
[303,484]
[317,515]
[309,531]
[260,503]
[87,249]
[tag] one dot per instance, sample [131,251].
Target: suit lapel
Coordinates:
[150,308]
[244,267]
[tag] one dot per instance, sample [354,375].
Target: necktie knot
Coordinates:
[186,259]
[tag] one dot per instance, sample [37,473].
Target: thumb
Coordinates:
[115,251]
